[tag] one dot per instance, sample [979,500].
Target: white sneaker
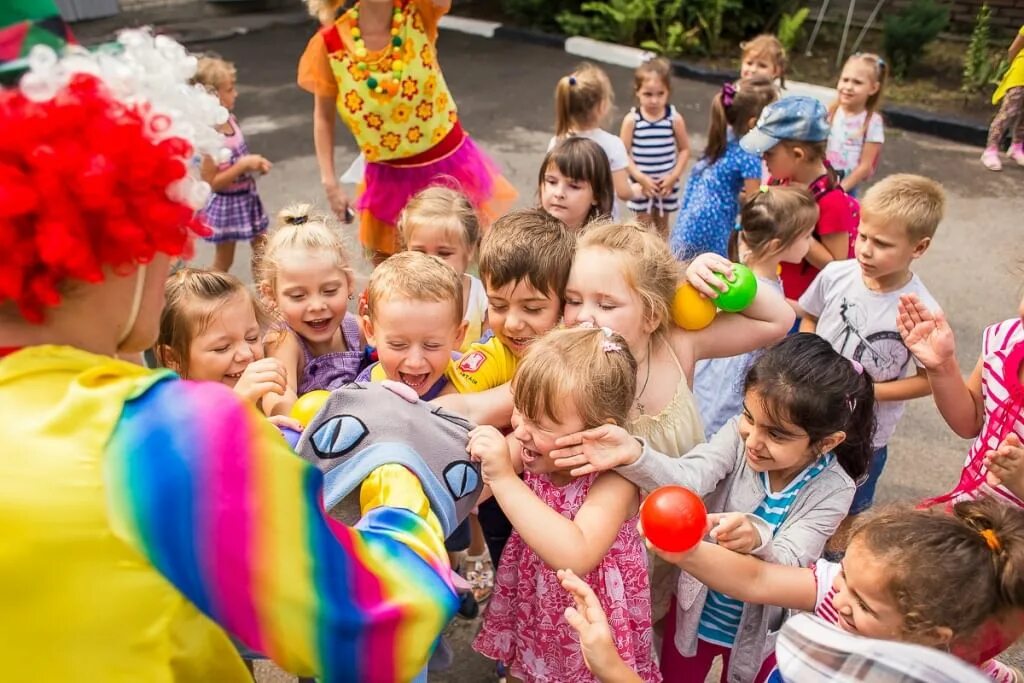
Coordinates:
[990,159]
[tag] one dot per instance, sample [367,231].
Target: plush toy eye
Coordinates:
[338,436]
[462,478]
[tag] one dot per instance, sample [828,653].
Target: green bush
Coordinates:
[906,34]
[981,67]
[614,20]
[671,37]
[790,26]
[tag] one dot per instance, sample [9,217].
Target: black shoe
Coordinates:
[468,607]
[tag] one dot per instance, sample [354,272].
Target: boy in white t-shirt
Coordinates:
[853,303]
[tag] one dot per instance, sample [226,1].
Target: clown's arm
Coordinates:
[209,493]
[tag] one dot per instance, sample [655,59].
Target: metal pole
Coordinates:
[867,24]
[846,32]
[817,27]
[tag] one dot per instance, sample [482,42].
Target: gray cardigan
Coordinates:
[718,472]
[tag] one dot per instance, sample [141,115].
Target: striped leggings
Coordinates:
[1010,113]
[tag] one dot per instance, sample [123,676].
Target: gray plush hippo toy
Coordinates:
[363,426]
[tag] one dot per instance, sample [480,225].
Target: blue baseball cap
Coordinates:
[792,118]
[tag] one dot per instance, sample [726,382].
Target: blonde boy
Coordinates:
[414,319]
[853,303]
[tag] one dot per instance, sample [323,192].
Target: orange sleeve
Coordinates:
[431,14]
[315,73]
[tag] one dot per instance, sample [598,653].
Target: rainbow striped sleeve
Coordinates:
[207,490]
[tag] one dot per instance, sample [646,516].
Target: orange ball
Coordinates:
[691,310]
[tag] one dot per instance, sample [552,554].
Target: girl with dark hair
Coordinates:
[575,183]
[783,473]
[711,199]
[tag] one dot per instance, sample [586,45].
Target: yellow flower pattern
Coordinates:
[413,120]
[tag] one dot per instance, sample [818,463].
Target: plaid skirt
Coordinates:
[235,216]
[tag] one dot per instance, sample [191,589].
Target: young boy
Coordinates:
[414,319]
[524,265]
[853,303]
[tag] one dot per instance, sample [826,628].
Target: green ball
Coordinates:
[741,292]
[396,41]
[371,83]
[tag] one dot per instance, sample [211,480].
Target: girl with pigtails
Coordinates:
[377,64]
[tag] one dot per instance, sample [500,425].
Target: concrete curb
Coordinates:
[905,118]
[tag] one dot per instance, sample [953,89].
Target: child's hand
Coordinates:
[262,377]
[590,621]
[596,450]
[488,447]
[254,163]
[701,274]
[285,421]
[1006,465]
[734,531]
[671,558]
[666,184]
[648,185]
[928,336]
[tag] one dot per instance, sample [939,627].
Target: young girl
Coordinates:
[211,329]
[986,407]
[441,222]
[894,582]
[764,57]
[775,227]
[659,147]
[574,184]
[377,64]
[857,134]
[305,278]
[568,380]
[711,199]
[1011,113]
[583,101]
[792,135]
[784,469]
[235,212]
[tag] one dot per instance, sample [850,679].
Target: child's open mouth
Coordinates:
[528,456]
[320,324]
[417,382]
[520,342]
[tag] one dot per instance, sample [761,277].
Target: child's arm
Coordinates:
[286,350]
[1015,47]
[591,623]
[578,544]
[626,134]
[904,389]
[865,167]
[612,447]
[324,114]
[765,321]
[751,186]
[747,578]
[828,248]
[809,323]
[220,180]
[620,179]
[683,149]
[489,407]
[930,338]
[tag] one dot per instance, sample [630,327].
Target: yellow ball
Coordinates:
[360,52]
[308,405]
[398,65]
[356,32]
[691,310]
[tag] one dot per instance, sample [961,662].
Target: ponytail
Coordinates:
[578,98]
[854,453]
[718,130]
[736,107]
[563,105]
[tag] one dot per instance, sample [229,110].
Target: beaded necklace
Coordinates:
[387,82]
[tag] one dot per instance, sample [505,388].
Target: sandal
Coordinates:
[479,572]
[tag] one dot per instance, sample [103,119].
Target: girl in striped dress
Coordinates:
[659,147]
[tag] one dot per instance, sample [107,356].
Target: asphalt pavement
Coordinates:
[504,91]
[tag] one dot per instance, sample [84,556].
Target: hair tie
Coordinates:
[763,189]
[297,220]
[857,367]
[572,81]
[728,93]
[992,540]
[610,346]
[738,227]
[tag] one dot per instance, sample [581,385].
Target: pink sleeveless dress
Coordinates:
[524,626]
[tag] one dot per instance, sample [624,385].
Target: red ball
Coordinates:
[674,518]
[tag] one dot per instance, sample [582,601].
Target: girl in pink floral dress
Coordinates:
[569,379]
